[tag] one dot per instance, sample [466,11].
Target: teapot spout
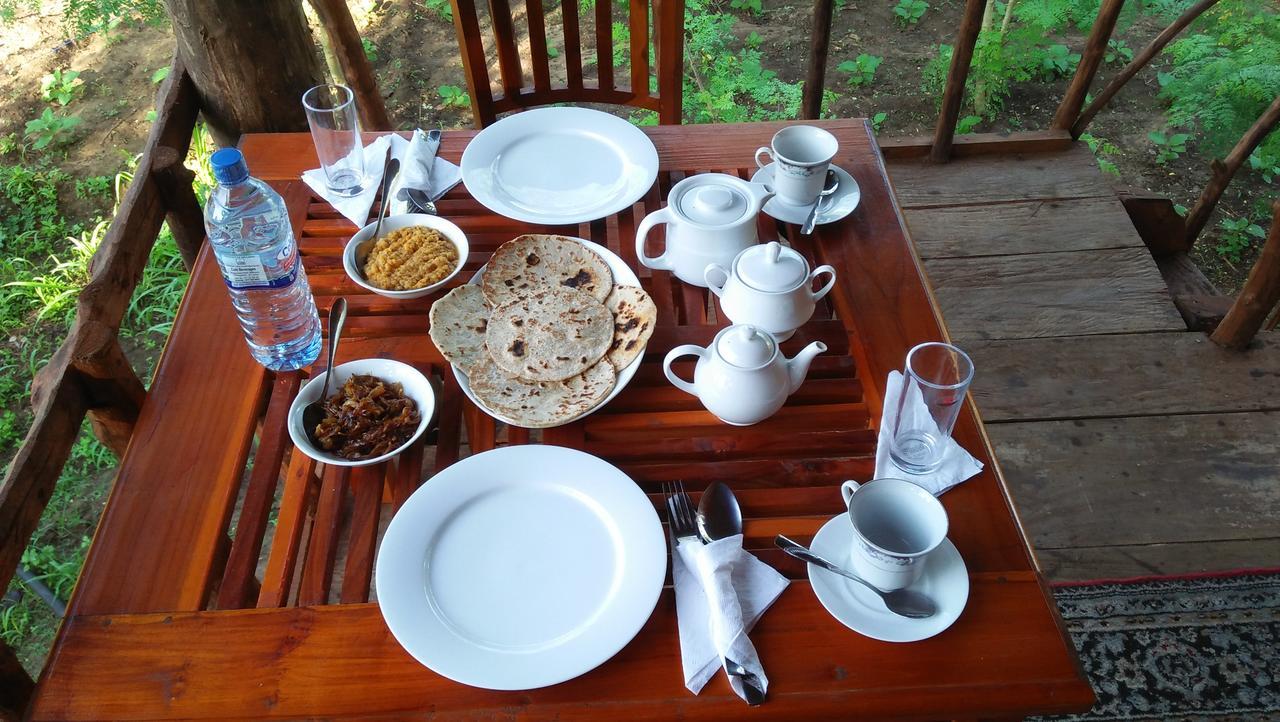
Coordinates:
[798,367]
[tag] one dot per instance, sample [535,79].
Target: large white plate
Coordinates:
[622,275]
[559,165]
[521,567]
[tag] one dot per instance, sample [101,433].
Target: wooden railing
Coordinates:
[89,374]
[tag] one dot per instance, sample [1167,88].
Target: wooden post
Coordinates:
[953,96]
[1260,294]
[1094,50]
[182,208]
[250,60]
[16,686]
[1138,63]
[1224,170]
[345,41]
[668,43]
[819,44]
[114,392]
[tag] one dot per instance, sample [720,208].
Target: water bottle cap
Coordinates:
[229,167]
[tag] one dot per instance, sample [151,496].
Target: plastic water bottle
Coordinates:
[249,230]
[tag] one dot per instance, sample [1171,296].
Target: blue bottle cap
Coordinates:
[229,167]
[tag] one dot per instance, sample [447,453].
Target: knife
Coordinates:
[426,161]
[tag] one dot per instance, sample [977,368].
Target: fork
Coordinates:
[683,527]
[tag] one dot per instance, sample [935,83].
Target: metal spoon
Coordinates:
[718,517]
[829,186]
[313,413]
[421,197]
[389,172]
[903,602]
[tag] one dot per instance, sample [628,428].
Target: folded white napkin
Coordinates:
[957,464]
[721,592]
[444,175]
[413,173]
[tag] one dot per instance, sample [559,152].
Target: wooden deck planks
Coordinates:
[999,179]
[1041,226]
[1123,562]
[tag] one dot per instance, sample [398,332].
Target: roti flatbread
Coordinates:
[540,404]
[524,263]
[634,315]
[458,323]
[550,335]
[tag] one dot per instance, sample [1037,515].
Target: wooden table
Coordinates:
[212,592]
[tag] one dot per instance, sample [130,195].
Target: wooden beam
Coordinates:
[1260,294]
[953,96]
[668,39]
[1138,63]
[1198,301]
[16,686]
[1225,170]
[815,76]
[971,144]
[1155,219]
[356,70]
[1096,47]
[182,208]
[114,392]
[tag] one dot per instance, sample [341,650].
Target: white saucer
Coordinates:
[838,206]
[945,579]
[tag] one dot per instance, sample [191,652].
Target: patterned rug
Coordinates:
[1179,648]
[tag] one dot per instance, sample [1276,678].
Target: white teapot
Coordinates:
[710,218]
[742,377]
[770,287]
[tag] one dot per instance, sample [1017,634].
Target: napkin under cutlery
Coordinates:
[443,176]
[704,642]
[957,464]
[436,179]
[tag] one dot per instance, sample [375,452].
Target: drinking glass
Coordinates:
[335,129]
[934,383]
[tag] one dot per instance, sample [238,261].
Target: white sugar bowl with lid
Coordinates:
[710,218]
[742,377]
[770,287]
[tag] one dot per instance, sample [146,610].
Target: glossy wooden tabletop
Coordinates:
[216,588]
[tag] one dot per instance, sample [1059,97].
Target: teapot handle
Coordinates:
[659,262]
[826,288]
[713,269]
[688,349]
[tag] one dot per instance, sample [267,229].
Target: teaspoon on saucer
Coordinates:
[903,602]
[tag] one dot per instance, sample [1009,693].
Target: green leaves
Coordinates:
[1058,60]
[454,97]
[877,121]
[160,74]
[49,129]
[755,7]
[726,84]
[1168,147]
[1237,235]
[967,124]
[445,10]
[1117,52]
[862,69]
[909,12]
[61,86]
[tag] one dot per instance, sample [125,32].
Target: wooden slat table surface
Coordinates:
[212,591]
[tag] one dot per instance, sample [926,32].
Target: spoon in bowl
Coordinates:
[903,602]
[389,173]
[313,413]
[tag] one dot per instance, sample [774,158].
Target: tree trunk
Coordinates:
[250,60]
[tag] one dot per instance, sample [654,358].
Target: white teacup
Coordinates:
[801,155]
[896,524]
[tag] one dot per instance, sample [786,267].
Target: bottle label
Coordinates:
[244,273]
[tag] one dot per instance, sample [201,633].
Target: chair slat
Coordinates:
[669,40]
[508,51]
[473,61]
[604,43]
[538,45]
[572,43]
[639,19]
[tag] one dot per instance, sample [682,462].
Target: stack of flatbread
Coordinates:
[543,336]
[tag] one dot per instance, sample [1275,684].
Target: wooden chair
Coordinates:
[634,91]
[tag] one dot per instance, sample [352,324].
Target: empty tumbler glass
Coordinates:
[335,129]
[934,383]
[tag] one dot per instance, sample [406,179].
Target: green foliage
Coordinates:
[370,50]
[53,293]
[61,86]
[862,69]
[1168,147]
[454,97]
[1267,166]
[1117,52]
[909,12]
[877,121]
[55,570]
[50,129]
[81,18]
[442,8]
[552,51]
[753,40]
[1235,237]
[967,124]
[1057,61]
[160,74]
[1225,75]
[1103,150]
[755,7]
[727,84]
[98,186]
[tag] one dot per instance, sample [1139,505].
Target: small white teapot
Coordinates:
[710,218]
[742,377]
[770,287]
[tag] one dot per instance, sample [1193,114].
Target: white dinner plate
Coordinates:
[945,578]
[559,165]
[842,202]
[622,275]
[521,567]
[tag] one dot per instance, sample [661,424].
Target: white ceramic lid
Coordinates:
[745,346]
[714,199]
[772,267]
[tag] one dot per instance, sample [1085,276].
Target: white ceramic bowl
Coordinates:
[405,220]
[415,386]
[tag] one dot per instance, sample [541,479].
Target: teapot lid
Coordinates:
[713,199]
[745,346]
[772,267]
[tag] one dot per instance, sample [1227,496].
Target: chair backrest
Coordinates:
[633,90]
